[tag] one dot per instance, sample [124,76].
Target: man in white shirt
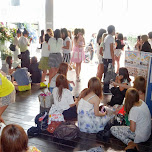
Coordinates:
[108,53]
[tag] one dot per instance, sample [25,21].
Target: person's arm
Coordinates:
[96,109]
[112,53]
[67,45]
[4,74]
[121,85]
[12,79]
[101,51]
[132,126]
[71,82]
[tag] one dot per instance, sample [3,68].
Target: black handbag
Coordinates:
[12,47]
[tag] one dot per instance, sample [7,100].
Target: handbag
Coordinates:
[46,100]
[110,75]
[55,115]
[66,131]
[12,47]
[54,124]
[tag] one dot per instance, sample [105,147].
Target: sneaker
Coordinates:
[43,85]
[107,92]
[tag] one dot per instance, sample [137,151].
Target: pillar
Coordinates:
[49,14]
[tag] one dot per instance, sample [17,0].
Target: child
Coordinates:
[140,121]
[118,93]
[100,57]
[7,93]
[90,119]
[78,51]
[35,71]
[63,98]
[63,69]
[22,78]
[43,65]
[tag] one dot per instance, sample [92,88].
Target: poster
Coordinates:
[137,63]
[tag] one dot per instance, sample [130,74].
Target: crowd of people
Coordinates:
[59,51]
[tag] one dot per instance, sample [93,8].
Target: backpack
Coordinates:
[66,131]
[42,120]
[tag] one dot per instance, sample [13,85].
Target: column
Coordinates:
[49,14]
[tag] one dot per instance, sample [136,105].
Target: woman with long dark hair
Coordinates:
[67,46]
[55,45]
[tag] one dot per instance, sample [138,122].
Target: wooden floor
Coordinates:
[26,108]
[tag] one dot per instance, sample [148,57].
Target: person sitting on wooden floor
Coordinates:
[14,139]
[63,98]
[22,78]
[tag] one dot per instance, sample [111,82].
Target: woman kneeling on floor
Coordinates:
[14,139]
[22,78]
[90,119]
[140,121]
[63,98]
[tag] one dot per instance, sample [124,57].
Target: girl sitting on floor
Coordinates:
[14,139]
[63,98]
[140,121]
[35,72]
[63,69]
[118,93]
[22,78]
[90,119]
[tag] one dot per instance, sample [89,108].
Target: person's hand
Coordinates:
[113,83]
[73,83]
[1,120]
[120,77]
[104,113]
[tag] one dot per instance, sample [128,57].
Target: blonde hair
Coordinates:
[144,38]
[103,37]
[51,32]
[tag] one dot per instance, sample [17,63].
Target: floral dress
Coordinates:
[87,121]
[33,149]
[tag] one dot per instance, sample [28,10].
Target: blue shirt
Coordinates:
[21,76]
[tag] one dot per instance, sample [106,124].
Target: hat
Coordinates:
[15,64]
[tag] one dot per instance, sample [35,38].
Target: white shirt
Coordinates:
[70,46]
[106,50]
[66,99]
[141,115]
[55,45]
[45,51]
[23,44]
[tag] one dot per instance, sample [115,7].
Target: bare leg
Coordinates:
[43,75]
[2,109]
[100,71]
[77,69]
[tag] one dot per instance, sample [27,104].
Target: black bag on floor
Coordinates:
[33,131]
[66,131]
[42,120]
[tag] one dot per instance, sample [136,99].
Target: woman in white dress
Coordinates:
[90,119]
[17,51]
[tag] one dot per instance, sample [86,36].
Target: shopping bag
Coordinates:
[46,100]
[110,75]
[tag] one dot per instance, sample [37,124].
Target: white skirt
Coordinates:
[117,52]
